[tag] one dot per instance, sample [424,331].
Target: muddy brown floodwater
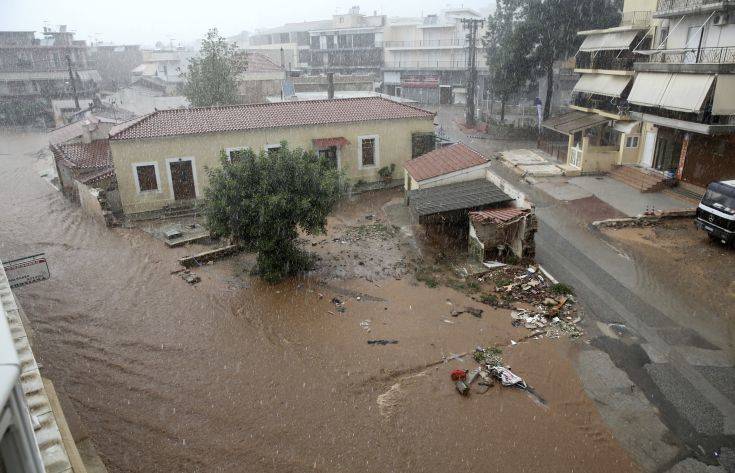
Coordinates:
[218,377]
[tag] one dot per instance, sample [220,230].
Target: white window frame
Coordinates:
[271,146]
[339,155]
[193,173]
[637,139]
[236,148]
[376,151]
[137,182]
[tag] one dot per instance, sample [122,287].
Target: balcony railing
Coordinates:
[432,65]
[683,5]
[605,61]
[636,18]
[694,56]
[438,43]
[599,102]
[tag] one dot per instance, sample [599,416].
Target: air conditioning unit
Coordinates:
[721,19]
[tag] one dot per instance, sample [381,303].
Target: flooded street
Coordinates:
[167,377]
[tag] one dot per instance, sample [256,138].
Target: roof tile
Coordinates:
[444,160]
[271,115]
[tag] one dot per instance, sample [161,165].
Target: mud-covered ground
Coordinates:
[233,374]
[686,258]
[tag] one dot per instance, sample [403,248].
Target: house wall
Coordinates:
[630,155]
[89,201]
[394,148]
[713,36]
[598,158]
[640,5]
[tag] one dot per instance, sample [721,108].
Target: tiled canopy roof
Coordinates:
[92,155]
[444,161]
[271,115]
[497,216]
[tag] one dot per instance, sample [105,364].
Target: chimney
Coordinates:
[330,85]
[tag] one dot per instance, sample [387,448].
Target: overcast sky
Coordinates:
[147,21]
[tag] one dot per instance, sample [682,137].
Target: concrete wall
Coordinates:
[640,5]
[714,36]
[477,172]
[422,95]
[89,201]
[394,146]
[598,158]
[708,159]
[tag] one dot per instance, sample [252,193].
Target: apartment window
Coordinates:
[631,142]
[369,151]
[233,154]
[422,143]
[146,177]
[272,150]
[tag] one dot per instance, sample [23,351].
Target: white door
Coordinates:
[648,148]
[693,36]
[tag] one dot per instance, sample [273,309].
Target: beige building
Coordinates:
[160,160]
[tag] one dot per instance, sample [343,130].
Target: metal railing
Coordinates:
[432,65]
[586,60]
[676,5]
[694,56]
[438,43]
[636,18]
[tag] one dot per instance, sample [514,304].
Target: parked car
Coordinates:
[716,212]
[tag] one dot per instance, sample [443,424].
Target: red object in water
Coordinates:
[459,375]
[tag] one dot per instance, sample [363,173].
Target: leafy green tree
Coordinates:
[552,27]
[507,52]
[264,201]
[212,79]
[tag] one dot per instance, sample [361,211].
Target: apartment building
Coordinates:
[655,104]
[426,58]
[684,93]
[352,43]
[163,70]
[34,71]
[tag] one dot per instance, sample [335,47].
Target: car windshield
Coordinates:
[720,201]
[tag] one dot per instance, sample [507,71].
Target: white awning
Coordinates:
[625,127]
[678,92]
[724,103]
[687,92]
[615,41]
[602,84]
[648,88]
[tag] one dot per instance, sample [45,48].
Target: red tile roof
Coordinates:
[444,160]
[258,62]
[497,216]
[94,155]
[190,121]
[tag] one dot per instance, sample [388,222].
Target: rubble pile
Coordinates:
[490,369]
[549,309]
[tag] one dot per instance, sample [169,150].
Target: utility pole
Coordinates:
[73,83]
[472,25]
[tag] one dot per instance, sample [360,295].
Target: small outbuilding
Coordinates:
[454,163]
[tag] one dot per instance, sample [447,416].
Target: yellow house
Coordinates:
[161,159]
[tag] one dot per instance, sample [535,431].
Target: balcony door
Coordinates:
[694,35]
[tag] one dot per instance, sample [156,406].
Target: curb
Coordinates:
[641,219]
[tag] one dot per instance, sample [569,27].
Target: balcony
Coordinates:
[636,18]
[432,65]
[429,44]
[694,60]
[605,60]
[598,103]
[669,8]
[695,56]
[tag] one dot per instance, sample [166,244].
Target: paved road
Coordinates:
[665,387]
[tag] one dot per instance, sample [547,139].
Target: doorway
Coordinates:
[181,172]
[445,94]
[668,152]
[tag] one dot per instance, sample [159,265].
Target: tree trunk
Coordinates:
[502,110]
[549,89]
